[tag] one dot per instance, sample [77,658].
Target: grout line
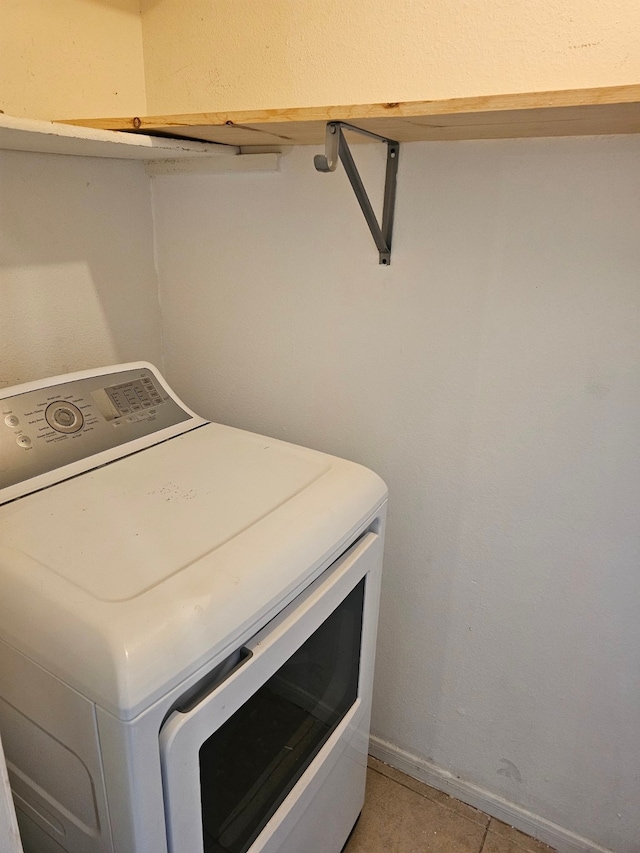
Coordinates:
[437,802]
[484,837]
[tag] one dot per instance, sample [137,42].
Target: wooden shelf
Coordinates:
[573,112]
[47,137]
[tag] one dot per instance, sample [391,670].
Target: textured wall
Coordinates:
[78,58]
[71,58]
[77,281]
[491,376]
[235,54]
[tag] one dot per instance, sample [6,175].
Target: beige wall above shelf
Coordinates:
[572,112]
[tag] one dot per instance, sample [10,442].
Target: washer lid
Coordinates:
[126,578]
[120,531]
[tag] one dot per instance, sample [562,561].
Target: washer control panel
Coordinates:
[53,426]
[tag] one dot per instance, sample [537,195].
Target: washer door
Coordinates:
[241,759]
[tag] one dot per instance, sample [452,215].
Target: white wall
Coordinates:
[491,375]
[241,54]
[77,277]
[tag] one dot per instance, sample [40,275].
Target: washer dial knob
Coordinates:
[64,417]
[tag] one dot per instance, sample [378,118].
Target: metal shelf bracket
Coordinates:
[336,148]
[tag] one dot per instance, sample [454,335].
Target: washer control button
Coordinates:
[64,417]
[23,441]
[12,420]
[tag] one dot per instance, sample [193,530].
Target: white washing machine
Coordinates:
[187,625]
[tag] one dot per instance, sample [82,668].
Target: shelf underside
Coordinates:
[574,112]
[47,137]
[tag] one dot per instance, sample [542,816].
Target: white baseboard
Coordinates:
[550,833]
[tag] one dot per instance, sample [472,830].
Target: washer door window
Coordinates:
[286,703]
[250,764]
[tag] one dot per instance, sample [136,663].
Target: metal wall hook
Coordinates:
[327,162]
[336,148]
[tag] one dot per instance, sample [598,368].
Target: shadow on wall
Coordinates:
[77,282]
[131,7]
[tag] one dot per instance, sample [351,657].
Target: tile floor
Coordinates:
[402,815]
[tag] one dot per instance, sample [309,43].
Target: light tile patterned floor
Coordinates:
[402,815]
